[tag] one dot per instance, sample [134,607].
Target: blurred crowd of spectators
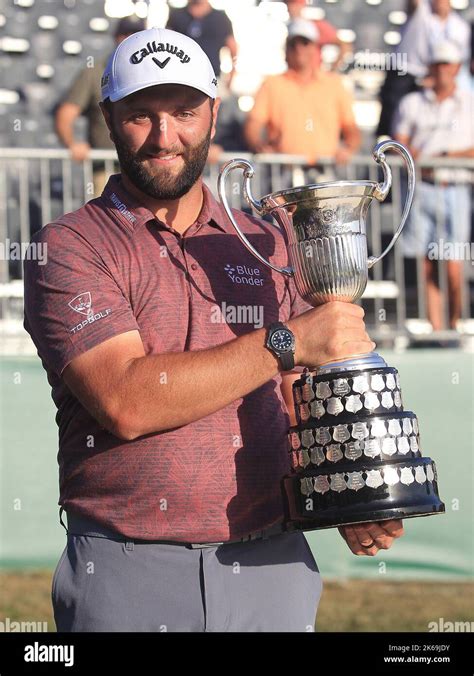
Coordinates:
[308,110]
[426,103]
[276,102]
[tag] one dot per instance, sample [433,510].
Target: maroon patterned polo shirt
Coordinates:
[113,267]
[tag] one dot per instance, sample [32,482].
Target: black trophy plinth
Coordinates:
[355,453]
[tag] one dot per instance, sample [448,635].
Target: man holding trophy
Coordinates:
[174,427]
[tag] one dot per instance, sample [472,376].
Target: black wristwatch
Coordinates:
[281,341]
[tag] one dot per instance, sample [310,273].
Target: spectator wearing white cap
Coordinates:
[303,111]
[430,22]
[326,31]
[438,122]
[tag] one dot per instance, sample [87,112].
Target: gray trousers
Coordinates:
[102,583]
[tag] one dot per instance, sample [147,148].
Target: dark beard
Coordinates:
[163,187]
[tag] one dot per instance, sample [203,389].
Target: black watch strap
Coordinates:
[287,359]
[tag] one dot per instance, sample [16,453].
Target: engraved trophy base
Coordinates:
[366,504]
[355,451]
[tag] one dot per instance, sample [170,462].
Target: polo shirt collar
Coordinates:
[430,95]
[293,75]
[126,208]
[213,212]
[123,206]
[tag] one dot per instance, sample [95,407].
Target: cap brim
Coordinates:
[440,61]
[137,87]
[300,35]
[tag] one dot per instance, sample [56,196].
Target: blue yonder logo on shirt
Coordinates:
[242,274]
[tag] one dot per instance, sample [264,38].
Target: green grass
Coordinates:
[361,605]
[355,605]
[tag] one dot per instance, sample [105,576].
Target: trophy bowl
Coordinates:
[325,224]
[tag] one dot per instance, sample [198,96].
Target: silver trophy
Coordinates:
[355,451]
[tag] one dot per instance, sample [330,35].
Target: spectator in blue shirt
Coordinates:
[210,28]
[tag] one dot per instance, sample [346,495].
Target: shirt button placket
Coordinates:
[193,266]
[182,244]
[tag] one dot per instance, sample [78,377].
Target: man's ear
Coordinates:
[215,110]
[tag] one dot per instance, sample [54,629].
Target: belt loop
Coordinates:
[129,545]
[61,510]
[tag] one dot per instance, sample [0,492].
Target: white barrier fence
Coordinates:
[38,185]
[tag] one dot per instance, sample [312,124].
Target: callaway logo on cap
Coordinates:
[157,56]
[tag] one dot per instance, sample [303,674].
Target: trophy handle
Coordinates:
[382,189]
[255,204]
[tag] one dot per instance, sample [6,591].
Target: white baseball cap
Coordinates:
[446,52]
[157,56]
[303,29]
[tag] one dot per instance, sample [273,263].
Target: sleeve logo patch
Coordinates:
[82,303]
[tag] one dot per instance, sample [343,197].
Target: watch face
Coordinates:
[282,340]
